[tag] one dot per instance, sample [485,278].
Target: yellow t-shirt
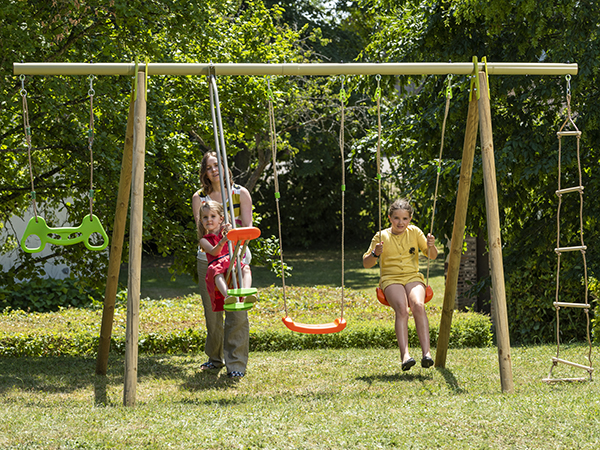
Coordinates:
[400,257]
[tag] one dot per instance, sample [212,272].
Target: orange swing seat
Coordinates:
[323,328]
[383,300]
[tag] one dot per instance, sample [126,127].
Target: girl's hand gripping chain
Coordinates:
[430,240]
[225,228]
[378,250]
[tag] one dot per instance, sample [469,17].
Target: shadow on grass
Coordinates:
[66,375]
[310,268]
[324,268]
[451,380]
[392,378]
[209,380]
[49,375]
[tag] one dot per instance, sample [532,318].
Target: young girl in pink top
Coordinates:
[214,243]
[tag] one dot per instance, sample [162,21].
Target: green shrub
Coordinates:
[45,295]
[594,286]
[530,295]
[468,330]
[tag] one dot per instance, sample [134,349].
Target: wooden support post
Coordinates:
[135,243]
[116,247]
[460,219]
[494,236]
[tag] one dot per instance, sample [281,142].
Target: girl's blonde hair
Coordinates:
[401,203]
[210,205]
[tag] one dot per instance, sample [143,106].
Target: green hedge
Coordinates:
[530,295]
[468,330]
[48,294]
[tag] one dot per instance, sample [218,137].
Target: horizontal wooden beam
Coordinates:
[324,69]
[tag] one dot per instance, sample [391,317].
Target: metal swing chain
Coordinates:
[273,135]
[439,164]
[27,130]
[91,93]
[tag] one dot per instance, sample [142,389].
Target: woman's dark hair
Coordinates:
[204,180]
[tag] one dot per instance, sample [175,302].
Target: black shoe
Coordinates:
[235,375]
[406,365]
[426,362]
[209,365]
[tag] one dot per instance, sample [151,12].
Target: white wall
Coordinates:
[15,228]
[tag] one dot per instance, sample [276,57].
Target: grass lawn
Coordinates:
[317,399]
[297,399]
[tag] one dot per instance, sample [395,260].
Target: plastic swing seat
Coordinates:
[324,328]
[37,227]
[239,236]
[240,306]
[383,300]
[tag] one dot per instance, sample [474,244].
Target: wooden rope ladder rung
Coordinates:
[570,363]
[559,250]
[569,190]
[571,305]
[570,249]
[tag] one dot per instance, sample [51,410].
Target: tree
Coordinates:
[527,112]
[308,113]
[179,128]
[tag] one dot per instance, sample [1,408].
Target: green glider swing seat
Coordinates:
[37,226]
[240,237]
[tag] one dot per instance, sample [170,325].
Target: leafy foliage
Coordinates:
[526,113]
[178,130]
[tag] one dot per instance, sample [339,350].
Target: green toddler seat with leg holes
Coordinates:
[66,236]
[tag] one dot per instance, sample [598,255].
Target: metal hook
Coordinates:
[23,92]
[378,90]
[91,92]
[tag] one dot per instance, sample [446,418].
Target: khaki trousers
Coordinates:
[227,342]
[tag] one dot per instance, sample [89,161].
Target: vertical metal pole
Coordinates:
[494,236]
[226,193]
[135,243]
[116,247]
[460,219]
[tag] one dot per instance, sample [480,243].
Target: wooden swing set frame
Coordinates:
[132,177]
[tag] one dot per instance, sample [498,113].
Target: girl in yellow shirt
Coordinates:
[401,281]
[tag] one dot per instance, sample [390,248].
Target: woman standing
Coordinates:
[227,341]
